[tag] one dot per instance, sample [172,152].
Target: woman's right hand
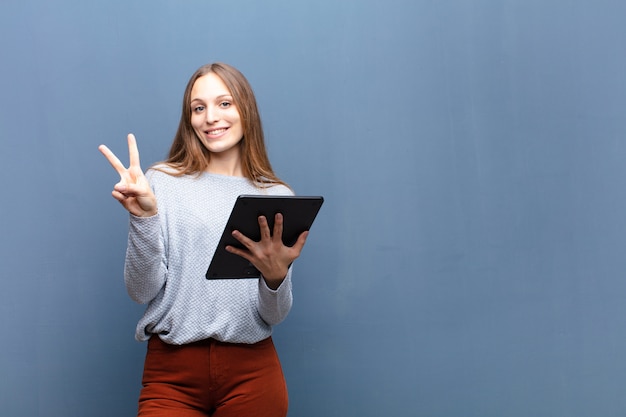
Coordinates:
[133,191]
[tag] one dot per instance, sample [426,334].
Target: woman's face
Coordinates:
[214,117]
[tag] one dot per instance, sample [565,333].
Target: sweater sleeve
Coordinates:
[274,305]
[145,268]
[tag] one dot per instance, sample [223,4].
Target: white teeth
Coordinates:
[216,132]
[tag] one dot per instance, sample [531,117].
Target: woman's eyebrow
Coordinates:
[216,98]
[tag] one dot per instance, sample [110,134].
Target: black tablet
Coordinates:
[298,212]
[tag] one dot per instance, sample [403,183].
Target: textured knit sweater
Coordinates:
[168,255]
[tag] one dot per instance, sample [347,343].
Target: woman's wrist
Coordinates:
[274,283]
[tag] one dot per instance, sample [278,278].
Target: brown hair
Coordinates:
[188,155]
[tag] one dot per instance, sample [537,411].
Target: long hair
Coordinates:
[188,156]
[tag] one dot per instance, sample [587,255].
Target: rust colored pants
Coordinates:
[211,378]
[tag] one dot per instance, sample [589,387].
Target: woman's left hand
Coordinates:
[269,255]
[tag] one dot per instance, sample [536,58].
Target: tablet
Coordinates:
[298,212]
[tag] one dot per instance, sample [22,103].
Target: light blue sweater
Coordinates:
[168,255]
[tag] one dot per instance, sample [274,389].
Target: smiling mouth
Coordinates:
[216,131]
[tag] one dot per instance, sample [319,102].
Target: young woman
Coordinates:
[210,351]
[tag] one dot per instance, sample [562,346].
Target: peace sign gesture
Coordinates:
[133,191]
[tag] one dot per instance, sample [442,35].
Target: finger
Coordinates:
[240,252]
[278,226]
[131,189]
[300,242]
[113,160]
[133,151]
[126,189]
[243,239]
[264,228]
[119,196]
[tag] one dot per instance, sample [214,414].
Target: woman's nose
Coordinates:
[212,114]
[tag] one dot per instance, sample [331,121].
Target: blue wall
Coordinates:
[469,259]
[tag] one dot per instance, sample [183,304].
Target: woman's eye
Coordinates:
[224,104]
[198,109]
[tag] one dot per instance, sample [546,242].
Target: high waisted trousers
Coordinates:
[211,378]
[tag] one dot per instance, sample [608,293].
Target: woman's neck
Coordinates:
[225,164]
